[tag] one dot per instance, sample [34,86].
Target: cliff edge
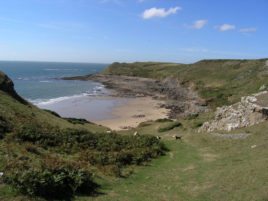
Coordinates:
[7,86]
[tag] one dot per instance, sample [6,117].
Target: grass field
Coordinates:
[199,168]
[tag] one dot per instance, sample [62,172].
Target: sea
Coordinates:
[40,83]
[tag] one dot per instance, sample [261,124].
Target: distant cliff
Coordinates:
[219,82]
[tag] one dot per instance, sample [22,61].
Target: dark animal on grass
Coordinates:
[176,137]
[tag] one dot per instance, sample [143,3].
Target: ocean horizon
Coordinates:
[40,83]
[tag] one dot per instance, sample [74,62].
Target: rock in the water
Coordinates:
[249,111]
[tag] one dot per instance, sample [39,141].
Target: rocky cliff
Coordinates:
[7,86]
[249,111]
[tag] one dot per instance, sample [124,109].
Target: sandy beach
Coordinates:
[133,112]
[117,113]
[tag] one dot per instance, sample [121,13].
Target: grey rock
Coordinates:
[249,111]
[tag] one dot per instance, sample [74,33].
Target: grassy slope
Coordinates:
[13,148]
[199,168]
[220,81]
[19,114]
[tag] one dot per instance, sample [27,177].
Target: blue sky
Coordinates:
[132,30]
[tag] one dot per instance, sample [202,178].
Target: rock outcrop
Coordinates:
[249,111]
[7,86]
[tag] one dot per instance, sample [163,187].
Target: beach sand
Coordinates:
[133,112]
[117,113]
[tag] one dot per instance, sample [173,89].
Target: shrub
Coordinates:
[53,179]
[144,124]
[169,126]
[77,121]
[32,149]
[52,112]
[4,127]
[98,149]
[37,135]
[163,120]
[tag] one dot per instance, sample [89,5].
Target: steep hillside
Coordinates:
[220,82]
[44,155]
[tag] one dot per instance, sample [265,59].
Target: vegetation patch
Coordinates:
[163,120]
[52,112]
[78,121]
[169,126]
[51,179]
[34,168]
[4,127]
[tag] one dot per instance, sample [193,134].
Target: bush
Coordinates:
[4,127]
[53,179]
[163,120]
[53,113]
[169,126]
[98,149]
[77,121]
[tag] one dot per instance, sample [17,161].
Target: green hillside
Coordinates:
[50,157]
[220,82]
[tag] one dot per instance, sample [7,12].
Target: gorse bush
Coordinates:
[98,149]
[52,179]
[85,139]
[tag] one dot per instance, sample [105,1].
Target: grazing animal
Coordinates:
[176,137]
[253,146]
[108,131]
[136,133]
[158,137]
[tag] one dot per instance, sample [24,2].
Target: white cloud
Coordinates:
[199,24]
[226,27]
[248,30]
[159,12]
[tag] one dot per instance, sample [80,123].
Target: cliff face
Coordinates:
[249,111]
[7,86]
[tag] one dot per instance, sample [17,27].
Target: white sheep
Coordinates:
[136,133]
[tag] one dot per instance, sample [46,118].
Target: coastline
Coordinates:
[115,112]
[134,112]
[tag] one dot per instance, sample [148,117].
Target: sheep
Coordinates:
[109,132]
[136,133]
[253,146]
[158,137]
